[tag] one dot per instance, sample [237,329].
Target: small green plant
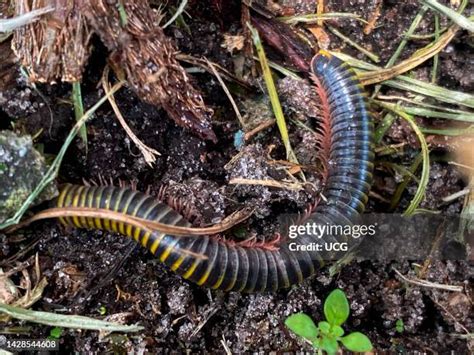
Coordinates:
[55,333]
[327,335]
[399,326]
[102,310]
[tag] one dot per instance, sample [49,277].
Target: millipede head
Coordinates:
[320,61]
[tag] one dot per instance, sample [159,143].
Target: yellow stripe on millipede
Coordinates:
[75,202]
[178,262]
[218,282]
[90,204]
[107,207]
[82,203]
[204,277]
[146,236]
[211,265]
[124,211]
[221,277]
[191,269]
[117,204]
[156,243]
[134,213]
[168,251]
[60,203]
[67,203]
[98,221]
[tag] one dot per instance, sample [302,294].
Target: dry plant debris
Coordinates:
[58,47]
[148,58]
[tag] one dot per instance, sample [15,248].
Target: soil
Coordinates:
[92,271]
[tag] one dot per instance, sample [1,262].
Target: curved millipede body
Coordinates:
[255,269]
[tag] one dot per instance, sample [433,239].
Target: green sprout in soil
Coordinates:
[55,333]
[399,326]
[102,310]
[79,109]
[272,93]
[328,334]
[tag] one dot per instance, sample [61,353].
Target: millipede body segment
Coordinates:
[255,269]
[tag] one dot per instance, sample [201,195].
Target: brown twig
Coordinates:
[147,152]
[269,183]
[148,226]
[227,92]
[264,125]
[424,283]
[374,16]
[203,63]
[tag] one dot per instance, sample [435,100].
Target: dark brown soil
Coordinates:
[86,269]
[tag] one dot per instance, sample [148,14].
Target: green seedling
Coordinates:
[55,333]
[399,326]
[328,335]
[102,310]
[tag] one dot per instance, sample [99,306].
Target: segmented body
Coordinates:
[255,269]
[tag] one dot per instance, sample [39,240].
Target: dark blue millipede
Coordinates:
[256,269]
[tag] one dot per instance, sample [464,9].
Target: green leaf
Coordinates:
[399,326]
[337,331]
[458,19]
[102,310]
[357,342]
[56,332]
[302,325]
[336,307]
[324,327]
[330,345]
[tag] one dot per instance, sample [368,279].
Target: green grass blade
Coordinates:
[314,18]
[454,16]
[400,169]
[272,92]
[453,132]
[433,111]
[65,320]
[10,24]
[413,26]
[79,109]
[425,156]
[349,41]
[420,111]
[383,127]
[406,83]
[460,9]
[418,103]
[281,69]
[178,13]
[407,177]
[122,13]
[434,70]
[437,92]
[401,46]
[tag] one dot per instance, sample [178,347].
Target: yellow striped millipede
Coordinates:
[255,269]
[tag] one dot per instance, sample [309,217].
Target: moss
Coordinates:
[21,169]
